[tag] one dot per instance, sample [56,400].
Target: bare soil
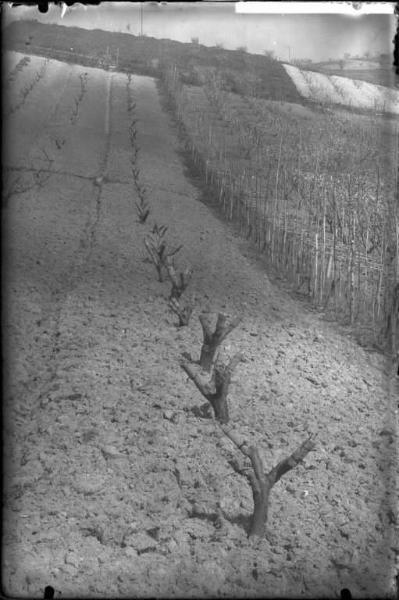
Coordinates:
[116,483]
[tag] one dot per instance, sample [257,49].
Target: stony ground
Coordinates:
[116,482]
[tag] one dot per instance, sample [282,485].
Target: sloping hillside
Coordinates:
[239,71]
[331,89]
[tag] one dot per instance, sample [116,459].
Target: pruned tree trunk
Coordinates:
[213,338]
[157,249]
[156,257]
[143,210]
[261,483]
[179,280]
[215,390]
[261,508]
[183,312]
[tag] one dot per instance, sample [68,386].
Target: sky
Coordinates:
[289,36]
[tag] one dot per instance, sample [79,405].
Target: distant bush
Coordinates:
[190,77]
[230,82]
[269,53]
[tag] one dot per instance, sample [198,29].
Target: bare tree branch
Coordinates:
[213,339]
[206,387]
[291,461]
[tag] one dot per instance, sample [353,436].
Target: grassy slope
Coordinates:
[241,72]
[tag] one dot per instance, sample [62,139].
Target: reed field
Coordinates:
[314,187]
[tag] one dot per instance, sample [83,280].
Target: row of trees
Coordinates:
[210,375]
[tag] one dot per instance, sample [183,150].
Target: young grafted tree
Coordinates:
[142,206]
[183,311]
[133,132]
[132,106]
[179,280]
[157,249]
[217,389]
[214,337]
[143,209]
[261,482]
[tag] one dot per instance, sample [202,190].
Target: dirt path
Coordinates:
[116,487]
